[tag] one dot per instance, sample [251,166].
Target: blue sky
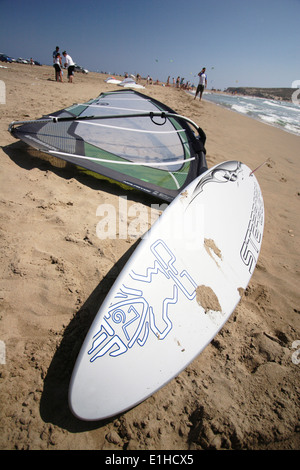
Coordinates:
[241,43]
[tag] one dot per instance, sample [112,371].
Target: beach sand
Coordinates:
[242,392]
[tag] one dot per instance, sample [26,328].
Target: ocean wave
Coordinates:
[273,103]
[293,129]
[284,106]
[240,109]
[279,114]
[268,118]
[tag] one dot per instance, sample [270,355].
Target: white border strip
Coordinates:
[89,123]
[153,164]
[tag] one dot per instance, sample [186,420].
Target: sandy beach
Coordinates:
[242,392]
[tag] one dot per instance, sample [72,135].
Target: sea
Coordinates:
[282,114]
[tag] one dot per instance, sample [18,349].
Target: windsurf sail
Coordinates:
[130,83]
[125,136]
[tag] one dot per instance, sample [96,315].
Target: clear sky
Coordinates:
[240,42]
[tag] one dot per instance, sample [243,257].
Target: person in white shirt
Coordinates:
[71,66]
[202,83]
[57,66]
[54,58]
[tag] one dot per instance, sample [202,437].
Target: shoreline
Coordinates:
[264,121]
[241,392]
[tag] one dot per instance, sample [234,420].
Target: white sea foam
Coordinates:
[272,103]
[239,108]
[292,129]
[270,119]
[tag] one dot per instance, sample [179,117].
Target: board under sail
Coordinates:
[126,136]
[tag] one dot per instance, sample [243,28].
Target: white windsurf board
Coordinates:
[174,294]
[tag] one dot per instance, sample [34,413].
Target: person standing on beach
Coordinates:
[202,83]
[54,53]
[58,69]
[71,66]
[54,57]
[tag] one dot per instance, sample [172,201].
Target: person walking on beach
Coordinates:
[58,68]
[202,83]
[71,66]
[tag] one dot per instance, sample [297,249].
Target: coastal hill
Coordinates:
[282,94]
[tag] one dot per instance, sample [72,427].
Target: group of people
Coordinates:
[179,82]
[186,86]
[57,64]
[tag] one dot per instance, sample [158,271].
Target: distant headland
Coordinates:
[281,94]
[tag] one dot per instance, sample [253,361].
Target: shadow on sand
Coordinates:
[54,406]
[29,158]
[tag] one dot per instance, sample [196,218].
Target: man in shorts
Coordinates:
[202,83]
[71,66]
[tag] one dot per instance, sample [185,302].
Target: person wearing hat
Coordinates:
[71,66]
